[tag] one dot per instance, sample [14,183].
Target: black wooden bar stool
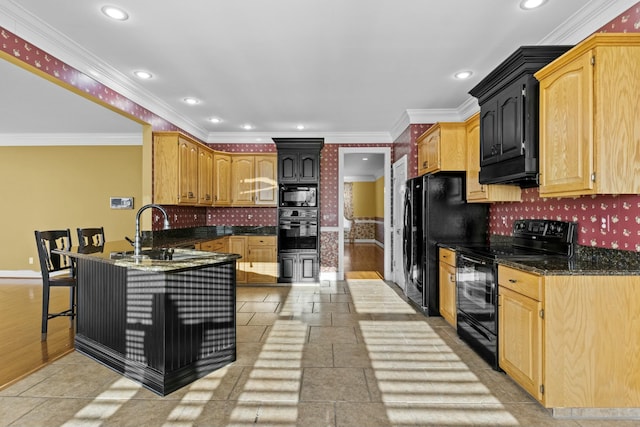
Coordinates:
[57,270]
[91,237]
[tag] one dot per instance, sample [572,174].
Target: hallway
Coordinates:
[349,353]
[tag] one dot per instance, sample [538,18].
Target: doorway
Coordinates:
[344,154]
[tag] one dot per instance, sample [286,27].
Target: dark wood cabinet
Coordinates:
[298,166]
[298,267]
[508,99]
[504,128]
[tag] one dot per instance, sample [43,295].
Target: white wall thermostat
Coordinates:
[121,202]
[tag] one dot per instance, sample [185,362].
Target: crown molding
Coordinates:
[40,34]
[68,139]
[586,21]
[18,20]
[329,137]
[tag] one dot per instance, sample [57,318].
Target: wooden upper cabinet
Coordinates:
[483,193]
[253,180]
[242,180]
[442,148]
[175,160]
[188,161]
[589,114]
[205,176]
[266,181]
[221,179]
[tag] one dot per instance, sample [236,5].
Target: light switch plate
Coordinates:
[121,202]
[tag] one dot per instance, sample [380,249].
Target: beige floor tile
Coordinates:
[244,318]
[55,412]
[250,333]
[334,384]
[317,355]
[258,307]
[349,319]
[334,307]
[305,414]
[314,319]
[350,414]
[75,381]
[340,298]
[295,308]
[247,353]
[332,334]
[267,318]
[351,355]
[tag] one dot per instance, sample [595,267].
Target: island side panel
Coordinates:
[162,329]
[102,303]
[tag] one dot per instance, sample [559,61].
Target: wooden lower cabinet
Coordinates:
[259,262]
[448,285]
[262,259]
[217,245]
[237,245]
[571,341]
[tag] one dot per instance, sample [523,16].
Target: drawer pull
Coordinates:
[513,281]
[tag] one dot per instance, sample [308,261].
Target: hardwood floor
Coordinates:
[363,261]
[21,351]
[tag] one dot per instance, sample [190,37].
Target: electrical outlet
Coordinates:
[605,223]
[30,260]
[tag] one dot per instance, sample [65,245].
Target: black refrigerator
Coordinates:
[436,212]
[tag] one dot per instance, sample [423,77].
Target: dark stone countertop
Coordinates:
[187,237]
[587,261]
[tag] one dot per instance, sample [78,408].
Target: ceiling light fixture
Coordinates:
[191,101]
[247,127]
[365,158]
[144,75]
[215,120]
[115,13]
[463,75]
[300,127]
[531,4]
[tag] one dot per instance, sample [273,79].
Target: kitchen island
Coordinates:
[163,319]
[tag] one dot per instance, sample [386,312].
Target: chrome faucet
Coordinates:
[137,245]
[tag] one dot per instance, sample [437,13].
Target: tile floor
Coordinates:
[350,353]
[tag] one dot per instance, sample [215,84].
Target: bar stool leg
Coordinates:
[45,311]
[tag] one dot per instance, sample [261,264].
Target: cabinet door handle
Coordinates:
[452,278]
[513,281]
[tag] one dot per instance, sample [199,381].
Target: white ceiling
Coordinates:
[349,70]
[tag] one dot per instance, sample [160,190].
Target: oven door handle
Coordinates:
[474,260]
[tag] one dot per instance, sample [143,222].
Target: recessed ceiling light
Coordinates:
[115,13]
[365,158]
[191,101]
[247,126]
[462,75]
[215,119]
[144,75]
[531,4]
[300,127]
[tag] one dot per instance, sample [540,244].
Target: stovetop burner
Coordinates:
[532,238]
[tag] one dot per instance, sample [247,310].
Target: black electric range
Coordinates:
[477,277]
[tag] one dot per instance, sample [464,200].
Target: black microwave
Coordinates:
[299,196]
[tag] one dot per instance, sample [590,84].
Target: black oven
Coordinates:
[299,196]
[298,230]
[477,304]
[477,276]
